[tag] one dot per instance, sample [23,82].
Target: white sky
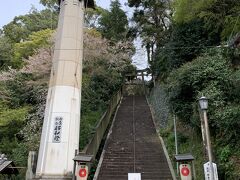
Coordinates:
[11,8]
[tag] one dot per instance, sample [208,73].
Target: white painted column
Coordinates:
[61,128]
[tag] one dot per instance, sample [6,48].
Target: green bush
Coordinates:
[211,75]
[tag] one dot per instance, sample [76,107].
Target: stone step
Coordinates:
[134,144]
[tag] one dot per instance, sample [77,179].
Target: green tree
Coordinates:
[114,23]
[210,74]
[35,41]
[6,48]
[92,16]
[186,42]
[19,30]
[192,8]
[218,15]
[22,26]
[152,22]
[53,4]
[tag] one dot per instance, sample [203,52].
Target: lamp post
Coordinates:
[203,102]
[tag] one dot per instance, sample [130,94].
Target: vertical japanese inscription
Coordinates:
[57,131]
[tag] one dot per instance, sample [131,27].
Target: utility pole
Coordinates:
[203,102]
[175,135]
[209,148]
[203,134]
[61,127]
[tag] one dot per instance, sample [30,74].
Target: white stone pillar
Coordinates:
[61,127]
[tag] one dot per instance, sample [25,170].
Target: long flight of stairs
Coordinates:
[133,145]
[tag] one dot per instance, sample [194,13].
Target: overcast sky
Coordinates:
[11,8]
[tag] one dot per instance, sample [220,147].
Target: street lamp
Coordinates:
[203,102]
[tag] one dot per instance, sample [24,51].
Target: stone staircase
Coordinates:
[133,146]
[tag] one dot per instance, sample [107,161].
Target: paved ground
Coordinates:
[134,145]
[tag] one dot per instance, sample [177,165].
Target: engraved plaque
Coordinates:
[57,129]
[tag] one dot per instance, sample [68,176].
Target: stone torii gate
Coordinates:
[61,128]
[132,78]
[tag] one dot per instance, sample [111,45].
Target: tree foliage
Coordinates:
[36,40]
[18,39]
[152,22]
[23,92]
[114,23]
[192,79]
[211,75]
[93,16]
[22,26]
[186,42]
[191,7]
[190,61]
[50,3]
[6,48]
[220,15]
